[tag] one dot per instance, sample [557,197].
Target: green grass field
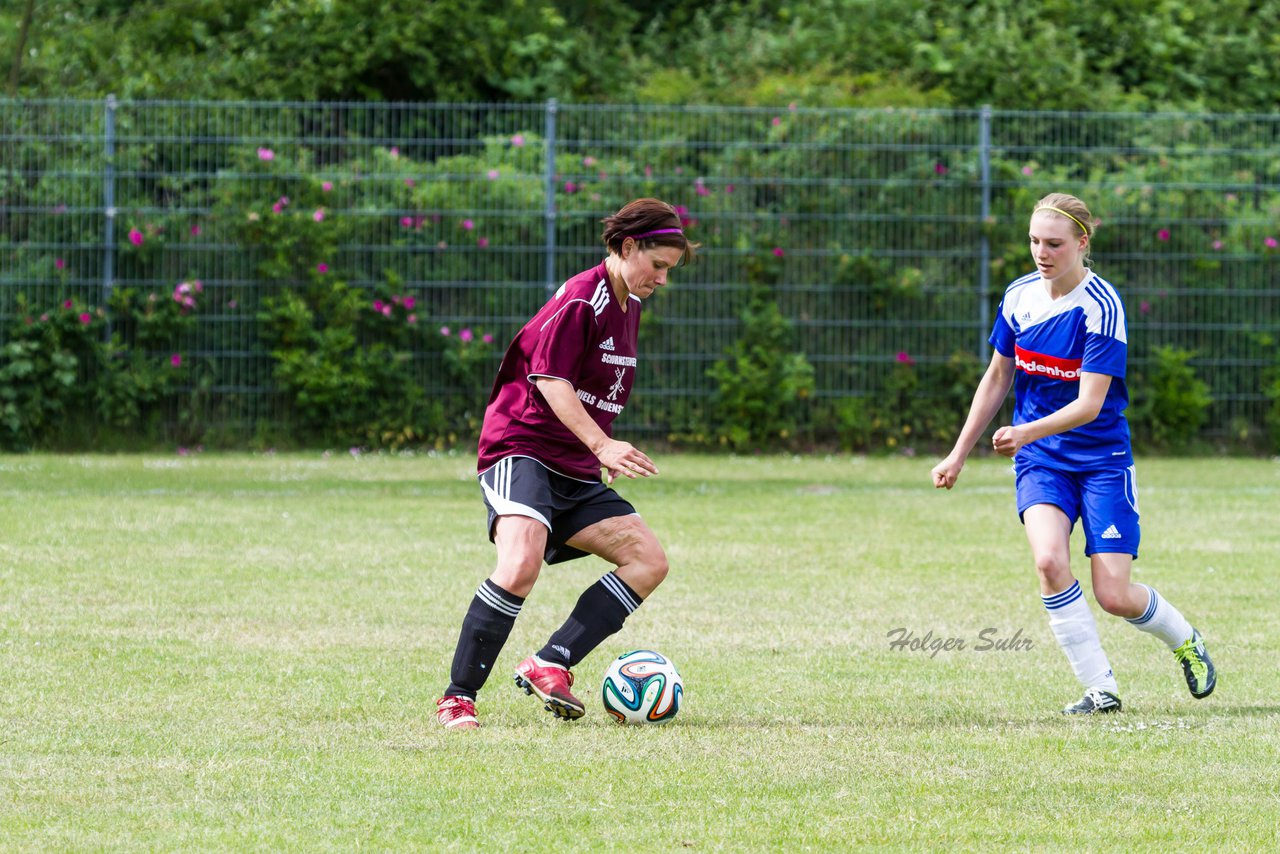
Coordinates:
[243,653]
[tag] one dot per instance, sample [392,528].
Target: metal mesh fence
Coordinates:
[885,236]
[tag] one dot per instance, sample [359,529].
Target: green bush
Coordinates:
[1171,403]
[761,383]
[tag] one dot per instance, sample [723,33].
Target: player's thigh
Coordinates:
[521,542]
[1048,532]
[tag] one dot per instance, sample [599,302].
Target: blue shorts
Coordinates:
[1105,502]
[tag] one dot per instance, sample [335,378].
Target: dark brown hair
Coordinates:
[650,222]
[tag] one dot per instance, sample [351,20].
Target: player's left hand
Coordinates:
[1007,441]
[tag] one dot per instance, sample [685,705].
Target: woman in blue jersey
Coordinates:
[1060,342]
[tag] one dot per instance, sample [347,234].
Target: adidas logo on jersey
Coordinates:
[607,344]
[1111,533]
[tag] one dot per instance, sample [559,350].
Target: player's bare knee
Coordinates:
[517,573]
[1054,569]
[645,570]
[1115,600]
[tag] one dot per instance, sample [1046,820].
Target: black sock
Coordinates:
[485,629]
[600,611]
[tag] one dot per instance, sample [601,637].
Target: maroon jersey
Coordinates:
[582,336]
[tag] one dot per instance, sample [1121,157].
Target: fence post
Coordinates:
[549,193]
[984,241]
[109,208]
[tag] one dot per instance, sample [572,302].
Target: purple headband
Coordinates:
[655,231]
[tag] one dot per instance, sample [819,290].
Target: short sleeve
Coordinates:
[1002,335]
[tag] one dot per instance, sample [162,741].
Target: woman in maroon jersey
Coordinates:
[546,437]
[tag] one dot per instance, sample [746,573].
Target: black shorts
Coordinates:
[522,486]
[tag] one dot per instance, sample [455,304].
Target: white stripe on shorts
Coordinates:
[499,495]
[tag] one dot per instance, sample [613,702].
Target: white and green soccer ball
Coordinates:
[642,687]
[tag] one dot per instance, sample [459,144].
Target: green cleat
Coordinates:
[1196,666]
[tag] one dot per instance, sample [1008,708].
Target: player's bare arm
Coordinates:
[1008,440]
[618,458]
[992,391]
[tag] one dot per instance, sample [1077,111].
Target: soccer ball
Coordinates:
[642,687]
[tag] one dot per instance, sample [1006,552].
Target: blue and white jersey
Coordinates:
[1052,341]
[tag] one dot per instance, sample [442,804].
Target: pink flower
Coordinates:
[266,154]
[406,221]
[67,304]
[487,338]
[327,186]
[483,243]
[1163,234]
[940,169]
[1271,243]
[377,305]
[700,188]
[467,225]
[232,303]
[648,171]
[777,252]
[775,121]
[1144,307]
[135,237]
[588,161]
[570,187]
[517,140]
[1027,170]
[409,303]
[395,153]
[728,188]
[444,331]
[176,360]
[318,216]
[277,207]
[1217,244]
[411,319]
[493,174]
[465,335]
[408,182]
[284,201]
[904,358]
[58,263]
[195,231]
[85,318]
[322,267]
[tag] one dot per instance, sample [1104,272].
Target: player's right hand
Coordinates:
[946,472]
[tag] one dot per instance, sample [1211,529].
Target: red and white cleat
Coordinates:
[551,683]
[457,713]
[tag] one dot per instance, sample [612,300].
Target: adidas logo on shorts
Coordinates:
[1111,533]
[607,344]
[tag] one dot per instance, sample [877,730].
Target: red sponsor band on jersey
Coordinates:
[1067,370]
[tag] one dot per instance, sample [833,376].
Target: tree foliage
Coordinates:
[1220,56]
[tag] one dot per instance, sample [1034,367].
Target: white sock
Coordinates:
[1163,620]
[1073,625]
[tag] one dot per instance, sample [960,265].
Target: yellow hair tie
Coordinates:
[1064,213]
